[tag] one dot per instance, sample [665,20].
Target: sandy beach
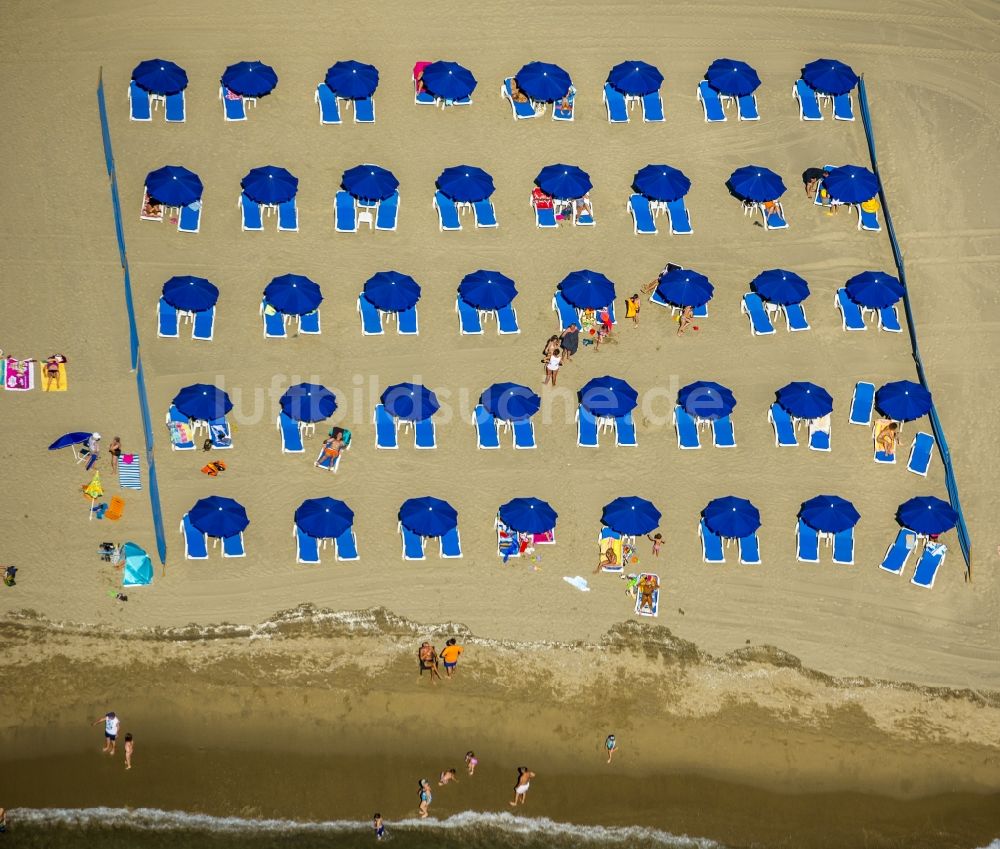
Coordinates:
[888,680]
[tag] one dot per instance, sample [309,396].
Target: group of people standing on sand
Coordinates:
[112,723]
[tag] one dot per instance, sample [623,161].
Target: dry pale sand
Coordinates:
[930,68]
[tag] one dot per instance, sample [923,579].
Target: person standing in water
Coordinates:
[472,762]
[378,826]
[111,725]
[129,748]
[425,797]
[611,745]
[524,776]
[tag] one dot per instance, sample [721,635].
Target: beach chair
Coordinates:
[687,429]
[625,431]
[722,433]
[274,322]
[385,429]
[746,107]
[583,219]
[614,100]
[774,220]
[559,113]
[174,110]
[921,451]
[545,216]
[524,434]
[880,455]
[329,109]
[406,322]
[680,220]
[326,461]
[843,107]
[806,543]
[220,434]
[711,545]
[447,213]
[586,428]
[309,323]
[470,322]
[371,318]
[850,312]
[189,221]
[753,308]
[784,430]
[898,553]
[413,545]
[166,320]
[888,320]
[195,546]
[424,434]
[808,102]
[181,432]
[233,108]
[252,219]
[520,110]
[347,545]
[642,216]
[652,108]
[345,219]
[567,312]
[927,566]
[655,609]
[288,216]
[486,428]
[364,110]
[306,547]
[485,214]
[139,103]
[232,546]
[422,97]
[291,435]
[388,213]
[795,318]
[507,321]
[749,550]
[843,547]
[868,220]
[819,438]
[450,545]
[711,103]
[862,403]
[203,327]
[115,509]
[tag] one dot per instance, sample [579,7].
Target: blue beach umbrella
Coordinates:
[661,182]
[392,291]
[732,77]
[874,289]
[829,514]
[427,516]
[851,184]
[731,517]
[448,80]
[410,402]
[487,290]
[369,182]
[805,400]
[203,401]
[270,184]
[352,80]
[138,570]
[465,183]
[829,76]
[159,76]
[192,294]
[927,514]
[608,397]
[566,182]
[587,290]
[756,183]
[77,437]
[903,400]
[174,185]
[631,515]
[510,402]
[685,288]
[705,399]
[293,294]
[543,81]
[251,79]
[324,518]
[218,516]
[635,77]
[528,515]
[780,287]
[308,402]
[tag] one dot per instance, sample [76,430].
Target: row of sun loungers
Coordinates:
[471,319]
[307,548]
[618,106]
[449,217]
[330,107]
[349,213]
[414,546]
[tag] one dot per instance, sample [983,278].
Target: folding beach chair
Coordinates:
[843,547]
[329,109]
[753,308]
[545,216]
[252,219]
[614,100]
[921,451]
[749,550]
[139,103]
[711,545]
[808,102]
[166,320]
[413,545]
[711,103]
[850,312]
[486,428]
[625,431]
[447,213]
[567,312]
[784,430]
[680,220]
[291,434]
[189,221]
[586,428]
[722,433]
[524,434]
[388,212]
[898,553]
[233,105]
[345,218]
[927,566]
[795,318]
[364,110]
[652,108]
[309,323]
[687,429]
[485,214]
[819,436]
[888,320]
[450,546]
[195,546]
[406,322]
[862,403]
[220,434]
[347,545]
[274,321]
[174,109]
[203,327]
[470,323]
[288,216]
[520,109]
[507,321]
[806,543]
[232,546]
[424,435]
[371,318]
[306,547]
[642,216]
[746,107]
[385,429]
[843,107]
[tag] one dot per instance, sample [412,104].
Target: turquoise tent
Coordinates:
[138,571]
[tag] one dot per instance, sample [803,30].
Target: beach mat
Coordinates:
[57,386]
[128,472]
[19,375]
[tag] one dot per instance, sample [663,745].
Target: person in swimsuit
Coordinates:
[52,370]
[471,761]
[524,776]
[811,178]
[609,558]
[553,366]
[632,307]
[569,341]
[888,438]
[657,540]
[378,826]
[447,777]
[450,654]
[686,320]
[647,586]
[111,724]
[115,450]
[425,797]
[611,745]
[332,446]
[551,346]
[129,748]
[427,657]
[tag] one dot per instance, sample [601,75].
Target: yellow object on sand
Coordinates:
[54,385]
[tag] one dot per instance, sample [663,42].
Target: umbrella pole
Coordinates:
[93,504]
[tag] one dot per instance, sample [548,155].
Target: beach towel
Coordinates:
[180,433]
[578,582]
[615,544]
[55,385]
[645,611]
[19,375]
[128,472]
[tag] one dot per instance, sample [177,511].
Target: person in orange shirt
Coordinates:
[450,654]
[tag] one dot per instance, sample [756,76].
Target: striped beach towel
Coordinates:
[128,472]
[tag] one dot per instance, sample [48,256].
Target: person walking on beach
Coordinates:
[552,368]
[425,797]
[129,748]
[378,826]
[111,724]
[471,761]
[427,658]
[450,654]
[611,745]
[632,307]
[524,776]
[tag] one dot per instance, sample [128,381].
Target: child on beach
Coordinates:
[378,826]
[111,723]
[471,761]
[447,777]
[425,797]
[657,540]
[450,654]
[611,745]
[129,748]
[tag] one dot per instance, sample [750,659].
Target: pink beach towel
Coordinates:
[19,375]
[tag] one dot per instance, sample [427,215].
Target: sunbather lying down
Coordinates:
[152,210]
[886,435]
